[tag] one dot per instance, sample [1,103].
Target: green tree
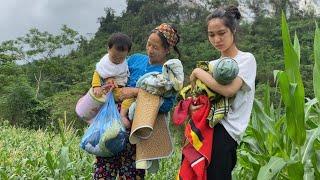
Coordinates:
[108,23]
[17,99]
[9,51]
[38,45]
[133,6]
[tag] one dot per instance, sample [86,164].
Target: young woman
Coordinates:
[161,40]
[222,26]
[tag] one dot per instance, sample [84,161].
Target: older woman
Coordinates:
[161,40]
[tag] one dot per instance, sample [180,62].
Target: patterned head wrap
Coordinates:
[169,33]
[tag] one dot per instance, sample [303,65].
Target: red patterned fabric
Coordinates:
[180,113]
[197,152]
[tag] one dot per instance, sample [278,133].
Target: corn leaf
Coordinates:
[308,171]
[252,143]
[308,107]
[307,148]
[50,161]
[3,174]
[295,170]
[64,158]
[273,167]
[266,101]
[262,116]
[295,109]
[315,159]
[249,158]
[291,59]
[316,68]
[286,94]
[283,82]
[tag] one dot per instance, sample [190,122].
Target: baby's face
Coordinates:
[116,56]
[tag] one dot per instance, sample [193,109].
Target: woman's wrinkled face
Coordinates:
[155,50]
[220,36]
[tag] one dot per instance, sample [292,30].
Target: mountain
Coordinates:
[306,5]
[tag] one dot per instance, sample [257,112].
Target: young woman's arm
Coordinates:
[228,90]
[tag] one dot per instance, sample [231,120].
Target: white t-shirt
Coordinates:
[120,72]
[239,113]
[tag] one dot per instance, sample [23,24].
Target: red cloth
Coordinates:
[193,164]
[181,111]
[197,153]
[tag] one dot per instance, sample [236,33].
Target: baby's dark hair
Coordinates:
[120,41]
[230,16]
[165,43]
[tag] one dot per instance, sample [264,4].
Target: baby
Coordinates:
[224,71]
[112,70]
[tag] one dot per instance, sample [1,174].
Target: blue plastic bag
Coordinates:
[106,136]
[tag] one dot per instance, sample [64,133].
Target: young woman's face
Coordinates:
[116,56]
[155,50]
[220,36]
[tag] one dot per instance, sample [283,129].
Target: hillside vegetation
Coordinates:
[282,140]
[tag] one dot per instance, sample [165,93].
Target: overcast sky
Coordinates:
[18,16]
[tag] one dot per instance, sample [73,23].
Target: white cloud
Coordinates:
[18,16]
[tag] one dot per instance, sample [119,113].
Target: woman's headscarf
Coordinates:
[169,33]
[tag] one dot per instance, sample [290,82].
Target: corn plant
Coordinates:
[283,142]
[41,154]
